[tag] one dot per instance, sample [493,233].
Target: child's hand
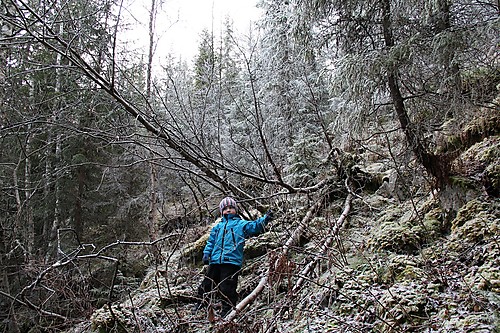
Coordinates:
[269,216]
[206,259]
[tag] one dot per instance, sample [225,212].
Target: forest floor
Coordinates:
[399,263]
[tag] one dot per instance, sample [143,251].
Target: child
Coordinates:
[223,253]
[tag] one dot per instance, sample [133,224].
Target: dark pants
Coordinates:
[224,277]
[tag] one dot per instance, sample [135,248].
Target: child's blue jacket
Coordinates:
[227,238]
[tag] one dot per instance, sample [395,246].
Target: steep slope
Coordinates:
[399,262]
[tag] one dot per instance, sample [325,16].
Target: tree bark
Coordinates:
[153,216]
[78,212]
[28,191]
[55,145]
[437,166]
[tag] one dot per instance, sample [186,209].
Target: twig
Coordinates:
[119,242]
[115,272]
[133,313]
[28,304]
[62,263]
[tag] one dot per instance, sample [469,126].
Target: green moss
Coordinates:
[475,230]
[405,233]
[193,252]
[401,303]
[453,143]
[483,160]
[477,135]
[116,320]
[463,183]
[410,273]
[492,179]
[486,151]
[490,153]
[396,237]
[258,246]
[488,278]
[401,268]
[432,224]
[477,210]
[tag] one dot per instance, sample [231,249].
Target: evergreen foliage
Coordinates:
[322,101]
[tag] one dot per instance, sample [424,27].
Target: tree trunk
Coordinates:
[56,145]
[28,189]
[78,213]
[152,21]
[56,201]
[153,216]
[437,166]
[326,244]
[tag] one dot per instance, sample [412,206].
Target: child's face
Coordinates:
[229,210]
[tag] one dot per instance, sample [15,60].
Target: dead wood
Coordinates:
[326,244]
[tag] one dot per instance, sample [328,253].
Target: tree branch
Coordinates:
[326,244]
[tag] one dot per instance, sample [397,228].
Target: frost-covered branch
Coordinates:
[326,244]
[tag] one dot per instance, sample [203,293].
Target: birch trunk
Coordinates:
[326,244]
[54,143]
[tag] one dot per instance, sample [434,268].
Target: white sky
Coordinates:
[180,22]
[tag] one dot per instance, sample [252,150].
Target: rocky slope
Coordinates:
[399,263]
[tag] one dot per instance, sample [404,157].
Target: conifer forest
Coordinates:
[371,129]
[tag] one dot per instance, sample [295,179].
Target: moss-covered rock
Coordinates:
[491,179]
[112,319]
[479,166]
[477,220]
[402,303]
[192,253]
[260,245]
[403,230]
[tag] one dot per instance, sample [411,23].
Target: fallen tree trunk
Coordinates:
[326,244]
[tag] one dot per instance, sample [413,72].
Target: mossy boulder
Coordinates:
[404,230]
[112,319]
[491,179]
[402,303]
[477,220]
[193,252]
[479,166]
[396,237]
[260,245]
